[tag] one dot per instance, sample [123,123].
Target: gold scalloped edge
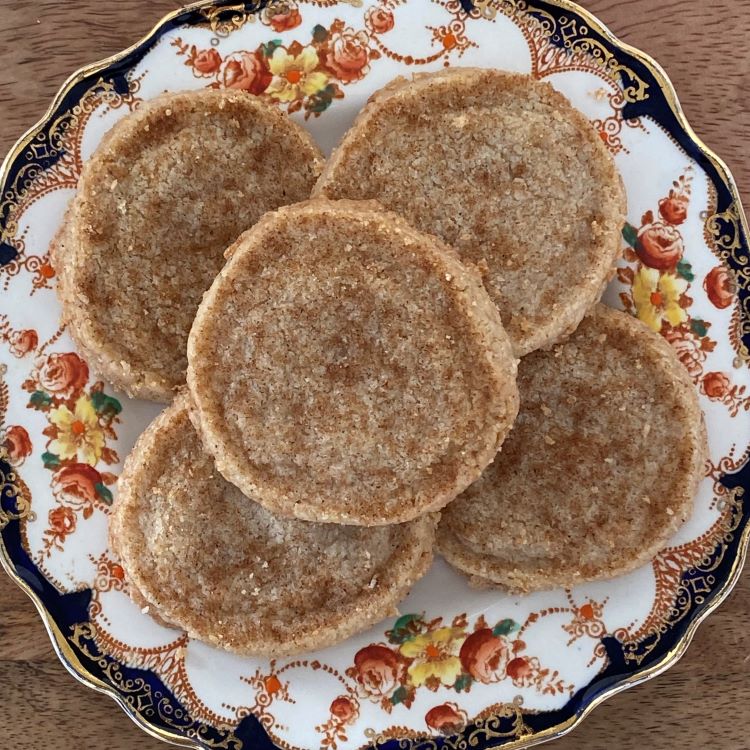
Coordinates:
[61,646]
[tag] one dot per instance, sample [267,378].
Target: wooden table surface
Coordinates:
[702,702]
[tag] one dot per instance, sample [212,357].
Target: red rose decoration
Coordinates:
[23,342]
[484,656]
[674,209]
[246,71]
[344,709]
[720,287]
[687,349]
[659,246]
[377,670]
[348,55]
[62,521]
[76,482]
[379,20]
[518,668]
[207,61]
[17,444]
[716,384]
[447,718]
[282,17]
[63,374]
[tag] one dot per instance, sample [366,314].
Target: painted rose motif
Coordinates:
[378,670]
[447,718]
[659,246]
[716,384]
[207,61]
[246,71]
[720,287]
[75,483]
[519,668]
[484,656]
[295,76]
[344,709]
[435,656]
[688,350]
[17,444]
[63,374]
[79,423]
[379,20]
[79,435]
[61,522]
[428,655]
[282,16]
[674,208]
[23,342]
[348,54]
[658,283]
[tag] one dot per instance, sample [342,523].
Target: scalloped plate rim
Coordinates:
[60,644]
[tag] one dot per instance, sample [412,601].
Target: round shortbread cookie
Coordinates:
[601,467]
[204,558]
[503,168]
[170,186]
[347,368]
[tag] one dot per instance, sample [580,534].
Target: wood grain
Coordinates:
[704,701]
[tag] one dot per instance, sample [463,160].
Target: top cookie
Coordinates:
[503,168]
[346,368]
[167,190]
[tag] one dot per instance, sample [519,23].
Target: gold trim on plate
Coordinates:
[61,645]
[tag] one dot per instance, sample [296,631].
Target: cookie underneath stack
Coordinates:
[503,168]
[600,469]
[201,556]
[170,186]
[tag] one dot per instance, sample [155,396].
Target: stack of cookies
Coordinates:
[397,351]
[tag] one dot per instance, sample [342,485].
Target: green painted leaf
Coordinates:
[319,33]
[404,628]
[319,102]
[463,682]
[630,235]
[104,404]
[50,460]
[699,327]
[399,695]
[505,626]
[103,493]
[685,270]
[270,46]
[404,621]
[40,400]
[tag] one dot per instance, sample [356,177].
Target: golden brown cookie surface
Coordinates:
[347,368]
[599,470]
[507,171]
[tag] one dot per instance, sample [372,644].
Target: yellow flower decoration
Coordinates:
[657,298]
[295,76]
[435,655]
[78,432]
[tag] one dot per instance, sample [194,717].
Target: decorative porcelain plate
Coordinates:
[475,667]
